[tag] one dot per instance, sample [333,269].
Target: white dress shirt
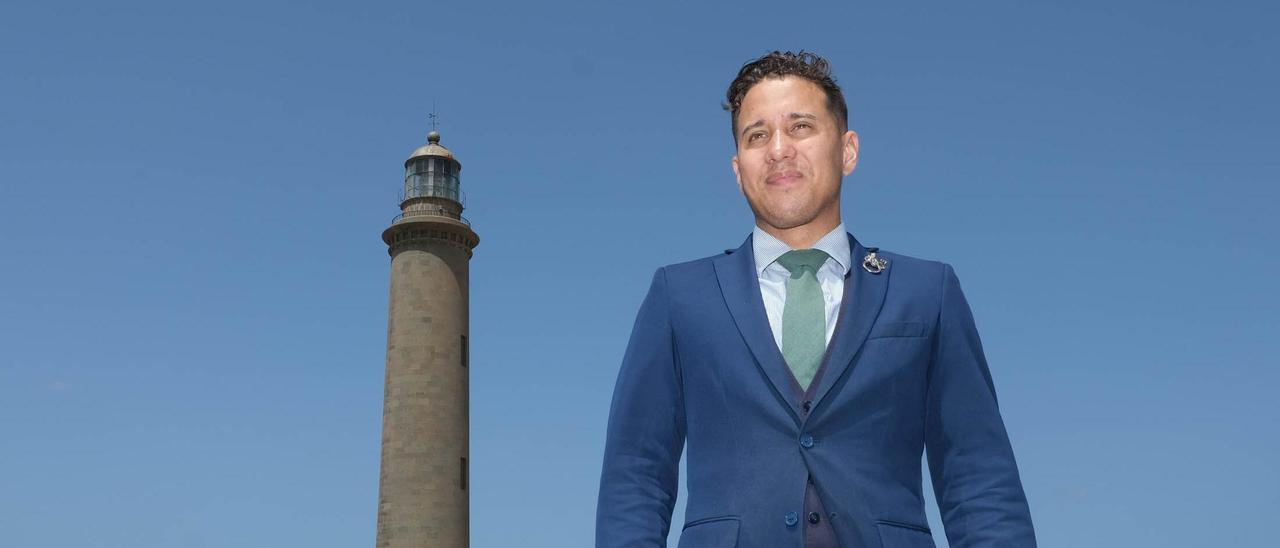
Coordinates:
[773,277]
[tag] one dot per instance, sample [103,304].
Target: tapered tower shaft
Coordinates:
[423,488]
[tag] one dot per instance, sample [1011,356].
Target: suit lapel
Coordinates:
[859,308]
[736,273]
[863,297]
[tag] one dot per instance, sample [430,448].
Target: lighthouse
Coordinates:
[423,485]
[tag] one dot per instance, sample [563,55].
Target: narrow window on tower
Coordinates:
[464,350]
[464,473]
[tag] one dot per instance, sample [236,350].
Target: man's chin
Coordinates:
[787,222]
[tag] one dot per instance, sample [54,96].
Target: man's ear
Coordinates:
[736,174]
[850,147]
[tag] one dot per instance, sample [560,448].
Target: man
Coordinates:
[805,371]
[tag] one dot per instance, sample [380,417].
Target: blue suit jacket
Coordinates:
[904,371]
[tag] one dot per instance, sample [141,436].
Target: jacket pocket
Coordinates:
[895,534]
[896,329]
[718,532]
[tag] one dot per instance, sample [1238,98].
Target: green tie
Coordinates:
[804,318]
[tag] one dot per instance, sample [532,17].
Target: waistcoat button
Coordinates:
[792,519]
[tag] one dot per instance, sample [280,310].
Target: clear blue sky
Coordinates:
[194,292]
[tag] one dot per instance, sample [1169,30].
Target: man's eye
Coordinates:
[802,125]
[753,136]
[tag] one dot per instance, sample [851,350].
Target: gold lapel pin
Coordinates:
[873,264]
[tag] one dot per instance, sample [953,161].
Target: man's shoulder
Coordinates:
[909,271]
[694,267]
[910,263]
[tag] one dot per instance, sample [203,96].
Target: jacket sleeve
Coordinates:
[971,462]
[646,433]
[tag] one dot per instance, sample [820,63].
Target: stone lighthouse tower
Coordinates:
[423,493]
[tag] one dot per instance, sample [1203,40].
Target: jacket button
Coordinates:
[807,404]
[806,441]
[792,519]
[814,517]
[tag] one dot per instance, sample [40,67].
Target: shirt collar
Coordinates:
[767,249]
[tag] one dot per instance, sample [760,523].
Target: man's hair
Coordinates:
[776,64]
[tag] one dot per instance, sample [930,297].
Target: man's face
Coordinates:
[791,153]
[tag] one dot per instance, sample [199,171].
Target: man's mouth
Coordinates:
[783,177]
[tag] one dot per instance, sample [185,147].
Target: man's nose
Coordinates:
[781,147]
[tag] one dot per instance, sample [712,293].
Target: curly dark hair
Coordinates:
[776,64]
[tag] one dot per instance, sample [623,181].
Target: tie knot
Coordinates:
[798,259]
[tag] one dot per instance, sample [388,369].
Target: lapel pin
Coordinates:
[873,264]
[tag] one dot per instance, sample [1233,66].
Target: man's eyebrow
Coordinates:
[804,115]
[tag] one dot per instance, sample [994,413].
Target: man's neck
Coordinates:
[803,236]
